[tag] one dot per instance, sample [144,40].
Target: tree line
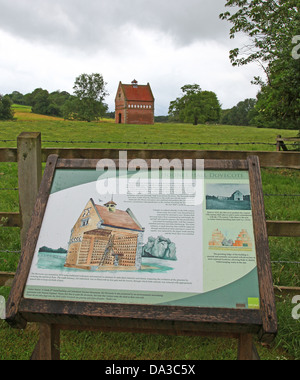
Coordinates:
[86,104]
[195,106]
[203,107]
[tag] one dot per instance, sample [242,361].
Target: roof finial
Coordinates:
[134,83]
[111,205]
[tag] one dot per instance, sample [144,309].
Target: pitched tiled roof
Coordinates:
[119,218]
[138,92]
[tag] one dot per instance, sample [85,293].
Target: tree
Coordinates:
[241,114]
[88,102]
[6,113]
[278,103]
[17,98]
[40,101]
[56,100]
[59,97]
[91,87]
[46,104]
[271,26]
[195,106]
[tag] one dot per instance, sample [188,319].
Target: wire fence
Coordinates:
[159,143]
[282,195]
[10,252]
[154,143]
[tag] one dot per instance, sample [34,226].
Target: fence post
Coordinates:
[29,176]
[278,143]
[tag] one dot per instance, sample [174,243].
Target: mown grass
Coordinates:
[86,345]
[125,346]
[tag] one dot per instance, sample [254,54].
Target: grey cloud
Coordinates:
[90,24]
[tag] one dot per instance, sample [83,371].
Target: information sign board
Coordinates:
[146,245]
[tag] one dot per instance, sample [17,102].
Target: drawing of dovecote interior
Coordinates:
[105,238]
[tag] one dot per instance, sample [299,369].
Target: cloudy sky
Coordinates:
[168,43]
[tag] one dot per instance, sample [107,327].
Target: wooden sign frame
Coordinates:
[55,315]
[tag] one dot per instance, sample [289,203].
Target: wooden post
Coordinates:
[278,143]
[266,288]
[48,346]
[246,348]
[30,176]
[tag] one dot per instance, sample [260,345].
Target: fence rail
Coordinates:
[10,219]
[289,159]
[282,143]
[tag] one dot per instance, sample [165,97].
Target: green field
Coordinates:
[106,134]
[160,135]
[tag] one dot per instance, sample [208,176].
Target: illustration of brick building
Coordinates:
[243,241]
[105,237]
[217,239]
[134,104]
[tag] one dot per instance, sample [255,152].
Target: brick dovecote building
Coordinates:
[104,237]
[134,104]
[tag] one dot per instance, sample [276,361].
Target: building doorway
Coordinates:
[120,118]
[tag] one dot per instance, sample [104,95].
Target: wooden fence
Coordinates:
[287,143]
[29,155]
